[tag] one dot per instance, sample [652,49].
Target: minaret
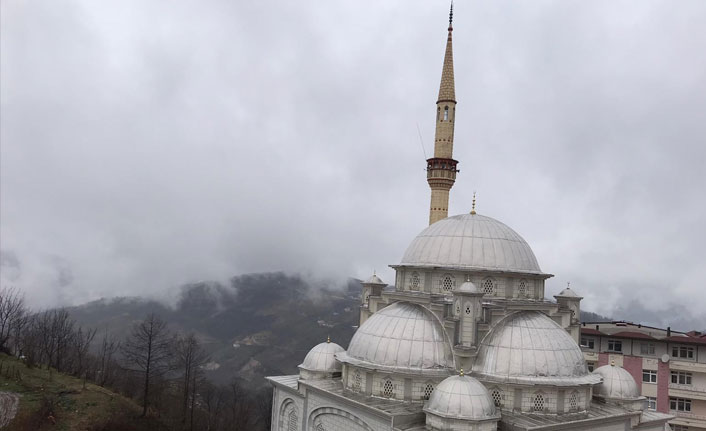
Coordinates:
[441,169]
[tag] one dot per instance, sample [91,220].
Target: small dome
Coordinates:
[617,384]
[467,286]
[471,241]
[401,337]
[528,347]
[322,358]
[374,280]
[461,397]
[568,293]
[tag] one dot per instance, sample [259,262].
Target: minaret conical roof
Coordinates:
[447,89]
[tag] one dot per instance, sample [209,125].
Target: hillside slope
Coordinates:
[260,324]
[53,401]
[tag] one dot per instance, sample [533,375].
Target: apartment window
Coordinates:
[683,352]
[681,378]
[651,403]
[680,404]
[647,348]
[590,366]
[615,346]
[649,376]
[680,428]
[588,342]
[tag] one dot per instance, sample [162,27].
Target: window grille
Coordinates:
[458,308]
[387,389]
[356,381]
[320,427]
[468,309]
[414,282]
[523,288]
[574,401]
[447,283]
[497,397]
[538,403]
[292,421]
[488,286]
[428,389]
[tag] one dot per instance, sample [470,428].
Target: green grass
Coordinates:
[64,398]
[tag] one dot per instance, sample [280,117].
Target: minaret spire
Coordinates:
[441,169]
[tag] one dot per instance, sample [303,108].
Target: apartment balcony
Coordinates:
[694,367]
[688,419]
[687,391]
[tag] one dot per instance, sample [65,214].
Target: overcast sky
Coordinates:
[145,144]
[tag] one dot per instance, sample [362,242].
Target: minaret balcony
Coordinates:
[443,170]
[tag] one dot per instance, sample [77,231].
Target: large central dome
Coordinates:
[471,241]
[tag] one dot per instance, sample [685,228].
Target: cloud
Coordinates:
[150,144]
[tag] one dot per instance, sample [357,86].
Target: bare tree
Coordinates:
[148,350]
[82,342]
[109,346]
[189,358]
[12,315]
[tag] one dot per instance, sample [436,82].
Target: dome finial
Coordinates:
[612,362]
[328,338]
[473,207]
[461,373]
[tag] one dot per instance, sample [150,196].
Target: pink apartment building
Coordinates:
[669,366]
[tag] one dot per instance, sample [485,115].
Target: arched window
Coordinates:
[292,421]
[468,309]
[438,113]
[428,389]
[574,401]
[387,388]
[447,283]
[538,405]
[414,281]
[497,396]
[446,113]
[522,288]
[357,380]
[489,286]
[453,117]
[458,308]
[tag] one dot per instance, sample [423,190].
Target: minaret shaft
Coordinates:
[441,169]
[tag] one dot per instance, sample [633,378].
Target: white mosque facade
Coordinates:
[464,340]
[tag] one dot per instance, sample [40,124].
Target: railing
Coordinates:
[687,387]
[687,415]
[696,367]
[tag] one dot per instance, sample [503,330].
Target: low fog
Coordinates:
[145,145]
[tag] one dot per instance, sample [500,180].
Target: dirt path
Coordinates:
[8,407]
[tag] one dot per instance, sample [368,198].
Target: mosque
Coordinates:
[465,339]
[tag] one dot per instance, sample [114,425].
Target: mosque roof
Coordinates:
[462,397]
[471,241]
[528,347]
[322,358]
[617,384]
[402,337]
